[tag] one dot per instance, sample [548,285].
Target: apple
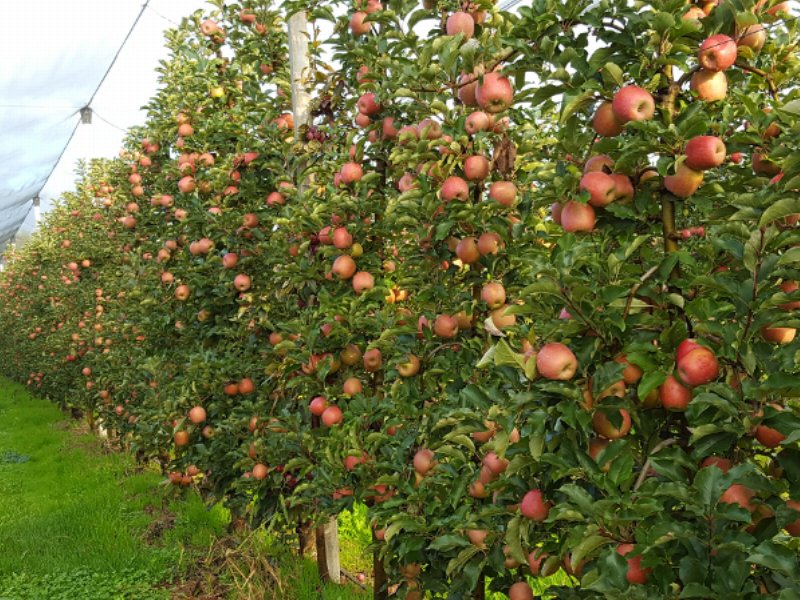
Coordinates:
[351,172]
[182,293]
[533,506]
[372,360]
[623,187]
[695,13]
[197,415]
[698,367]
[635,574]
[357,25]
[494,463]
[454,188]
[344,267]
[778,335]
[763,165]
[709,85]
[477,537]
[575,217]
[754,36]
[794,527]
[596,446]
[181,438]
[445,326]
[598,162]
[332,416]
[460,22]
[467,86]
[352,386]
[685,347]
[476,167]
[495,93]
[705,152]
[430,129]
[494,294]
[410,367]
[351,355]
[739,494]
[674,395]
[632,103]
[684,182]
[242,282]
[501,319]
[556,361]
[503,192]
[342,238]
[317,405]
[604,122]
[604,427]
[768,436]
[601,188]
[362,282]
[186,185]
[520,591]
[367,105]
[424,461]
[477,121]
[787,287]
[717,52]
[489,243]
[467,250]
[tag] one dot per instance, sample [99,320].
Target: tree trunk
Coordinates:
[379,590]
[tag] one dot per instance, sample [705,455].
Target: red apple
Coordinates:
[454,188]
[604,427]
[685,347]
[362,282]
[794,527]
[372,360]
[197,415]
[604,122]
[494,294]
[477,121]
[424,461]
[242,282]
[520,591]
[673,395]
[460,22]
[476,168]
[778,335]
[635,574]
[344,267]
[495,93]
[698,367]
[717,53]
[446,326]
[709,85]
[739,494]
[601,188]
[332,416]
[705,152]
[503,192]
[357,25]
[318,405]
[556,361]
[533,506]
[684,182]
[576,217]
[632,103]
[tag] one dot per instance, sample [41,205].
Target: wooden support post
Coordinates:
[380,583]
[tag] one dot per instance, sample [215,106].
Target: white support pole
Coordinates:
[37,212]
[299,69]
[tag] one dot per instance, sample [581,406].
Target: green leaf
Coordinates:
[776,557]
[780,209]
[514,539]
[449,542]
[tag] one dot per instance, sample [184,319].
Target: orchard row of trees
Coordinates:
[523,283]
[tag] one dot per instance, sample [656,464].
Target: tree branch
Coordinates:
[646,467]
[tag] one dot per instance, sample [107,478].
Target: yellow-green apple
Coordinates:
[503,192]
[709,85]
[556,361]
[445,326]
[477,121]
[684,182]
[705,152]
[577,217]
[717,52]
[632,103]
[635,574]
[494,94]
[454,188]
[460,22]
[476,167]
[410,367]
[674,395]
[604,122]
[362,282]
[601,187]
[604,427]
[351,355]
[494,294]
[698,366]
[534,506]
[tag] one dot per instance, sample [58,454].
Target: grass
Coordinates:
[78,522]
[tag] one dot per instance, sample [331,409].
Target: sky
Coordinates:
[51,63]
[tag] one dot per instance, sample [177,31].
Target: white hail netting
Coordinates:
[53,56]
